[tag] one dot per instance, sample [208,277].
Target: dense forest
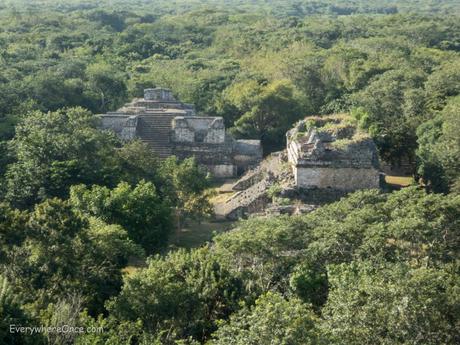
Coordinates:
[78,206]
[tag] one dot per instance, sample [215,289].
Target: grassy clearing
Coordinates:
[399,181]
[192,235]
[221,197]
[129,270]
[195,234]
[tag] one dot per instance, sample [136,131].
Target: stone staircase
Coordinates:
[252,188]
[155,130]
[245,202]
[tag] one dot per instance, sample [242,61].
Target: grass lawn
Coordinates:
[221,197]
[399,181]
[194,234]
[129,270]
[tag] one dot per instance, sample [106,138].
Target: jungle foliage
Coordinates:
[78,205]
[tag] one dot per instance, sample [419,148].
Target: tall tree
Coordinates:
[393,304]
[106,85]
[65,253]
[55,150]
[267,111]
[439,149]
[179,296]
[140,210]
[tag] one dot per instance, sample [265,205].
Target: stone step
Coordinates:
[245,202]
[159,146]
[155,135]
[157,140]
[155,130]
[147,137]
[165,131]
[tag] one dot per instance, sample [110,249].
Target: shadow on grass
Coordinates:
[195,234]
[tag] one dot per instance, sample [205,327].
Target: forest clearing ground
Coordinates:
[224,186]
[194,234]
[399,181]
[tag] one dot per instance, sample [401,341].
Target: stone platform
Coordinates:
[171,127]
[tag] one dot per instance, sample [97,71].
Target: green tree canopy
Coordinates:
[392,304]
[64,253]
[181,295]
[140,210]
[55,150]
[268,111]
[439,149]
[272,320]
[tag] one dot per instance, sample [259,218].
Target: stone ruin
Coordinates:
[330,152]
[325,158]
[171,127]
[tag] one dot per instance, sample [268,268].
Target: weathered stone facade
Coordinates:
[171,127]
[198,129]
[331,153]
[326,158]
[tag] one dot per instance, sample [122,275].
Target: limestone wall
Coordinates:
[124,125]
[114,122]
[293,152]
[214,136]
[158,94]
[247,154]
[216,158]
[198,129]
[222,170]
[182,134]
[346,179]
[129,129]
[207,154]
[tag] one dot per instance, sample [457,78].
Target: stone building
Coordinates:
[330,152]
[326,158]
[171,127]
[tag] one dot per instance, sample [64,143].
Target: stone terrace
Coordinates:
[171,127]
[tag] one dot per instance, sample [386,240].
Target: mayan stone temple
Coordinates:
[330,152]
[171,127]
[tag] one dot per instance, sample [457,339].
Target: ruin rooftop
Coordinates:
[331,152]
[171,127]
[332,140]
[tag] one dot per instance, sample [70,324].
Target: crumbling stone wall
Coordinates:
[331,153]
[217,159]
[254,199]
[205,139]
[124,125]
[129,130]
[199,129]
[171,127]
[347,179]
[158,94]
[247,154]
